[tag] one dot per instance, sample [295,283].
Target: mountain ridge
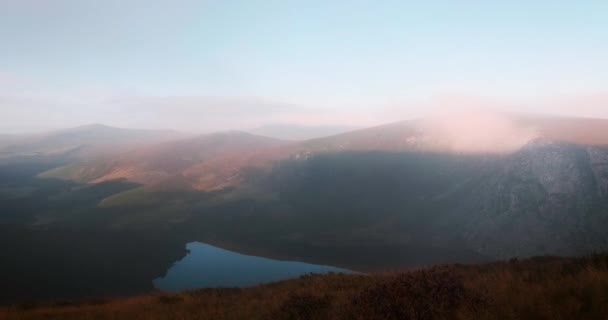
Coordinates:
[421,135]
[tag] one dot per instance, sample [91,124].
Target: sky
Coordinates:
[215,65]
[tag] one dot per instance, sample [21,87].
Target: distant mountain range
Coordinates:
[154,163]
[218,160]
[88,140]
[440,189]
[298,132]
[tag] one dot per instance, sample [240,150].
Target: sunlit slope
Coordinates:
[155,163]
[406,185]
[492,134]
[216,161]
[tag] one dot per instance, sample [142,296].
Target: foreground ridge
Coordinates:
[535,288]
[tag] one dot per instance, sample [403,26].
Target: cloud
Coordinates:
[474,124]
[201,113]
[10,82]
[476,130]
[7,79]
[27,105]
[592,105]
[43,108]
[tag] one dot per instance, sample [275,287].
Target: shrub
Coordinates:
[427,294]
[304,307]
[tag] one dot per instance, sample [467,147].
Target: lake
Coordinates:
[209,266]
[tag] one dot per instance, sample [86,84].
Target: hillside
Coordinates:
[83,141]
[154,163]
[408,185]
[485,134]
[547,198]
[200,163]
[298,132]
[585,131]
[538,288]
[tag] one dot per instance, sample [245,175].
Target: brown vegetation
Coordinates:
[537,288]
[215,161]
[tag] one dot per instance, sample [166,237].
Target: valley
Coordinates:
[371,200]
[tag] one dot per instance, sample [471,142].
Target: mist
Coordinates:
[476,131]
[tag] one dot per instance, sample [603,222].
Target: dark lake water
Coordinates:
[209,266]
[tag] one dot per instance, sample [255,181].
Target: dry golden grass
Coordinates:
[538,288]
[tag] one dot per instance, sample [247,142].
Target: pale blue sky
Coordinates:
[73,56]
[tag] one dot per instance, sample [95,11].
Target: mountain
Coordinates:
[182,158]
[400,195]
[440,189]
[83,141]
[584,131]
[478,134]
[424,185]
[475,134]
[153,163]
[299,132]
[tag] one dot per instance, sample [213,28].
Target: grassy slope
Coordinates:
[538,288]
